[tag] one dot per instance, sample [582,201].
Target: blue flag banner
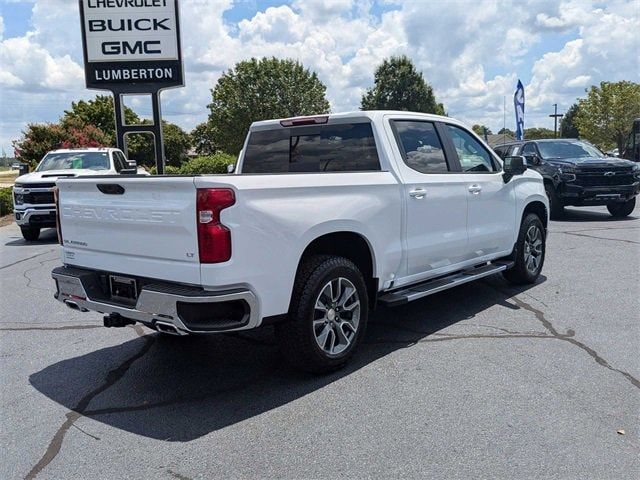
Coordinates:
[518,104]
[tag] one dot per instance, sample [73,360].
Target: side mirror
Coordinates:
[514,165]
[231,168]
[131,168]
[533,159]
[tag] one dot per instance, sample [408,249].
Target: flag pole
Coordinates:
[504,118]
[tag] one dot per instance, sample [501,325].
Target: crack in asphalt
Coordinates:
[554,334]
[112,377]
[25,259]
[67,327]
[601,238]
[459,337]
[569,337]
[595,229]
[176,400]
[29,279]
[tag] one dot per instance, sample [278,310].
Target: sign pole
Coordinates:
[133,48]
[119,113]
[158,135]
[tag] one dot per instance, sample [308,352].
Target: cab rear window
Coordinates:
[326,148]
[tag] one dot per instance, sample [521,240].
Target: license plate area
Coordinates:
[124,289]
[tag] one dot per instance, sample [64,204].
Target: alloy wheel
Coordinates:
[533,246]
[336,316]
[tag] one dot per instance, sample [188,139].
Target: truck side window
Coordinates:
[472,155]
[420,146]
[330,148]
[501,150]
[529,149]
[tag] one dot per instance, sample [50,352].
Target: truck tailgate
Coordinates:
[143,226]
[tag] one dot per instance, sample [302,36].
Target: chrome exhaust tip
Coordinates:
[74,306]
[165,327]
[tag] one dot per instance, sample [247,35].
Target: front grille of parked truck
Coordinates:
[604,178]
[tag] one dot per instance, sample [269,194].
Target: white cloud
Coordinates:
[31,68]
[472,52]
[323,10]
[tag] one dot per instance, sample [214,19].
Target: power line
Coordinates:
[555,116]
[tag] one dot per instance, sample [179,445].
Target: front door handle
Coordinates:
[418,193]
[475,189]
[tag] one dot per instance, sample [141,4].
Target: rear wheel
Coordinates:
[31,234]
[556,207]
[328,315]
[529,252]
[620,210]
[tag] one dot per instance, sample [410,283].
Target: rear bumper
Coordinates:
[167,307]
[36,217]
[577,195]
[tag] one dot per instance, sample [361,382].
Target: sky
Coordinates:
[471,52]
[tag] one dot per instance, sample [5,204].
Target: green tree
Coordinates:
[399,86]
[605,117]
[506,131]
[99,112]
[259,90]
[176,145]
[568,128]
[203,139]
[480,130]
[537,133]
[39,138]
[216,163]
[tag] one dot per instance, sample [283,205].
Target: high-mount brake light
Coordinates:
[214,239]
[296,122]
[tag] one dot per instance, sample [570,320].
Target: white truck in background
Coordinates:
[33,203]
[325,218]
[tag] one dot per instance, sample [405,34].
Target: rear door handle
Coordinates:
[475,189]
[418,193]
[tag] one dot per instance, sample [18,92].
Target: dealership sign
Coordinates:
[131,45]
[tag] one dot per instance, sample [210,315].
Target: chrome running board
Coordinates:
[420,290]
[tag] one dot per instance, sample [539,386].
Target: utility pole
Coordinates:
[555,116]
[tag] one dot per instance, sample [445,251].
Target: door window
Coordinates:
[420,146]
[472,155]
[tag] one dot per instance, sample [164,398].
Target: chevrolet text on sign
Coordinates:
[135,42]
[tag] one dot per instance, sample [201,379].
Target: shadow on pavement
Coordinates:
[586,215]
[179,389]
[48,236]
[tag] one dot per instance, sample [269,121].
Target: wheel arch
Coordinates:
[350,245]
[539,208]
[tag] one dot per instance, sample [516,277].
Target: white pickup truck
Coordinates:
[325,218]
[33,203]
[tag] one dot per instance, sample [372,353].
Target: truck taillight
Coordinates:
[214,239]
[56,198]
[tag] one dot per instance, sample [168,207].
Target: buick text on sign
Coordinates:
[133,42]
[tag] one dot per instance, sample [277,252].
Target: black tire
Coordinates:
[297,336]
[621,210]
[30,234]
[556,207]
[521,273]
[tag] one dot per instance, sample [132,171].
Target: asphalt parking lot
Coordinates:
[483,381]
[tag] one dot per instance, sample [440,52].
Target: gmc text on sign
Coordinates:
[132,42]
